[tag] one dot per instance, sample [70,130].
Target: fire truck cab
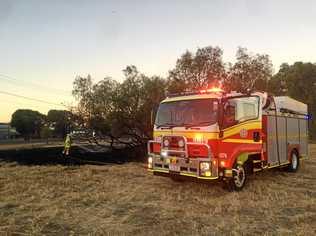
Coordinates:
[210,134]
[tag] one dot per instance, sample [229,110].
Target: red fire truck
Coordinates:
[211,134]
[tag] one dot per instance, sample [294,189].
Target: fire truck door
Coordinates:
[282,138]
[303,137]
[272,147]
[297,134]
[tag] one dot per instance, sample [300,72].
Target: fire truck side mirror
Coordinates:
[256,136]
[152,117]
[221,114]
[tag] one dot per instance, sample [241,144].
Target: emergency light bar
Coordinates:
[212,90]
[203,91]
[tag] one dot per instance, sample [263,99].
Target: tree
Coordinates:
[203,69]
[46,133]
[28,122]
[120,110]
[277,84]
[248,72]
[83,92]
[135,100]
[60,121]
[95,102]
[299,82]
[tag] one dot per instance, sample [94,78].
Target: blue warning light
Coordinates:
[308,117]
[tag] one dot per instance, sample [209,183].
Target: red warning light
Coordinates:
[215,90]
[212,90]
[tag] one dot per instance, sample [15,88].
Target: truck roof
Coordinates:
[191,97]
[201,95]
[290,104]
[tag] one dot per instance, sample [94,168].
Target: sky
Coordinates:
[45,44]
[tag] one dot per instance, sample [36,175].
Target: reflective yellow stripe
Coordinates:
[248,125]
[188,133]
[161,170]
[213,136]
[199,177]
[282,164]
[184,174]
[236,140]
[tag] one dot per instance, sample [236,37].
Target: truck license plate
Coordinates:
[173,167]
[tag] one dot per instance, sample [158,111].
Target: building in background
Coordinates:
[7,132]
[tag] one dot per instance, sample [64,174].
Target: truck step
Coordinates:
[257,169]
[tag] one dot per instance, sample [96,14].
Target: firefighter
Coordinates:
[67,145]
[229,115]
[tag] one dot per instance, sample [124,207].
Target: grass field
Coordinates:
[126,199]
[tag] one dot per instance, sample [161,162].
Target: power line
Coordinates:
[36,86]
[25,103]
[31,99]
[18,82]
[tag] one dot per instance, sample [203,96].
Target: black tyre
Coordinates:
[238,181]
[294,162]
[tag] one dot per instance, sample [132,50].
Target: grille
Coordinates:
[173,142]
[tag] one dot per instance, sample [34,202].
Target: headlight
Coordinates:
[164,154]
[222,163]
[181,143]
[204,166]
[205,169]
[150,162]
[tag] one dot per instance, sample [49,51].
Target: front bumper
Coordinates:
[187,167]
[185,177]
[178,162]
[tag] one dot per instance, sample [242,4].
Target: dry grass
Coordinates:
[126,199]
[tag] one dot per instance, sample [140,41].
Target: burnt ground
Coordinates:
[52,155]
[50,198]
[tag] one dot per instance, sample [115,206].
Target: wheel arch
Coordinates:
[244,157]
[294,165]
[293,148]
[296,150]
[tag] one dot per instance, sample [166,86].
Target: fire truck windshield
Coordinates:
[187,113]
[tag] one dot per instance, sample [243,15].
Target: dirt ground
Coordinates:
[126,199]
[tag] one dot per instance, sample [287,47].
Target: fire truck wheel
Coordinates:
[238,181]
[294,162]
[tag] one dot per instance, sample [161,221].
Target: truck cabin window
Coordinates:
[186,113]
[237,110]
